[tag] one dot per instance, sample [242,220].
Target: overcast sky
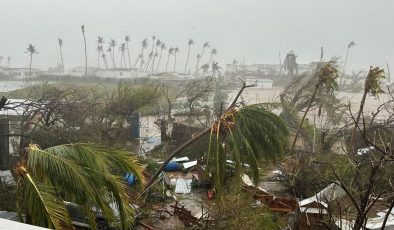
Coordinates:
[254,29]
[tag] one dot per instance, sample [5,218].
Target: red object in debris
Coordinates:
[210,194]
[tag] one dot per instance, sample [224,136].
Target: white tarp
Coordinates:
[181,159]
[183,186]
[189,164]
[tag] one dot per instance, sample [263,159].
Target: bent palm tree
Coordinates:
[176,50]
[241,134]
[189,43]
[112,44]
[144,45]
[100,49]
[122,49]
[170,52]
[127,39]
[31,50]
[162,47]
[213,52]
[60,41]
[350,45]
[86,52]
[158,44]
[205,45]
[325,77]
[372,86]
[78,173]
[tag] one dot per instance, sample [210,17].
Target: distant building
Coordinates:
[20,73]
[79,71]
[120,73]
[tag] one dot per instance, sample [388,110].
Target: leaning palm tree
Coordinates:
[60,41]
[151,52]
[162,47]
[122,49]
[243,135]
[170,52]
[176,50]
[204,46]
[104,57]
[100,50]
[156,54]
[86,52]
[213,52]
[215,68]
[112,44]
[198,57]
[127,40]
[189,43]
[144,45]
[31,50]
[350,45]
[326,77]
[88,175]
[371,86]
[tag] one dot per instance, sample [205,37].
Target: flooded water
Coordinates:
[7,86]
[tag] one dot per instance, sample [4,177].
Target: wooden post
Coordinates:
[4,143]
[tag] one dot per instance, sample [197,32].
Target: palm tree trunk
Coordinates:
[168,59]
[61,57]
[187,143]
[362,103]
[158,62]
[174,62]
[198,62]
[187,59]
[86,54]
[31,60]
[304,116]
[113,57]
[210,59]
[128,54]
[98,59]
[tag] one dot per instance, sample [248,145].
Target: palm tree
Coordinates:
[162,47]
[158,44]
[176,50]
[151,53]
[149,58]
[325,77]
[213,52]
[198,60]
[127,39]
[144,45]
[88,175]
[215,68]
[86,52]
[109,50]
[104,57]
[371,86]
[31,50]
[350,45]
[205,45]
[241,134]
[122,49]
[100,49]
[205,68]
[189,43]
[60,41]
[8,61]
[170,52]
[112,44]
